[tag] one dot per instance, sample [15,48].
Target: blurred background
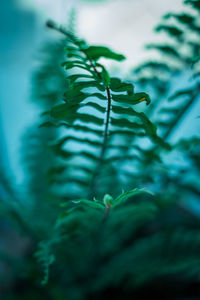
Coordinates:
[125,25]
[160,40]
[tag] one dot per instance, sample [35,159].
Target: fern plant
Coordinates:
[173,80]
[182,51]
[106,104]
[123,97]
[123,247]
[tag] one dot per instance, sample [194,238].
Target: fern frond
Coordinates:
[109,109]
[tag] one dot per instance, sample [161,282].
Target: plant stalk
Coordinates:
[98,168]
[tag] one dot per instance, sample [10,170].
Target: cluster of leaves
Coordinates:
[176,65]
[121,247]
[158,247]
[178,57]
[99,116]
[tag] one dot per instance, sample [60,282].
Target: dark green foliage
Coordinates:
[96,52]
[132,243]
[179,60]
[194,3]
[171,30]
[110,101]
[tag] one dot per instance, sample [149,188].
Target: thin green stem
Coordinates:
[178,118]
[103,147]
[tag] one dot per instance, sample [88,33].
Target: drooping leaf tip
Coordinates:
[145,99]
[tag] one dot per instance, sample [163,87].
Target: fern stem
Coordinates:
[103,147]
[179,117]
[105,137]
[53,25]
